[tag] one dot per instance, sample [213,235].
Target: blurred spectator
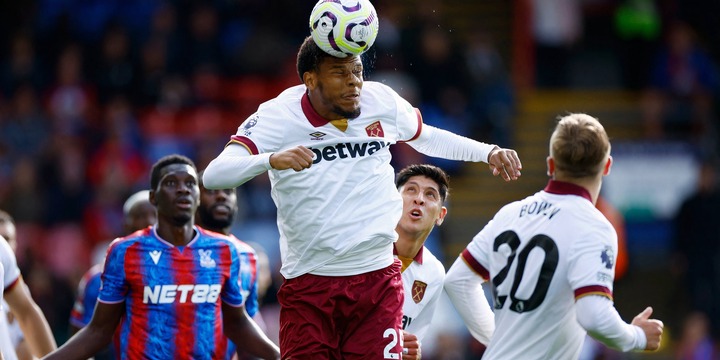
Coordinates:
[25,198]
[114,72]
[491,96]
[22,67]
[202,46]
[637,24]
[164,32]
[697,247]
[439,57]
[26,129]
[557,27]
[152,72]
[62,178]
[695,341]
[684,79]
[70,100]
[450,111]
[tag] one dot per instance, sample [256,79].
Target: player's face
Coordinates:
[339,82]
[217,208]
[142,215]
[177,194]
[8,231]
[422,207]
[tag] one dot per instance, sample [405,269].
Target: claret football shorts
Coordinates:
[343,317]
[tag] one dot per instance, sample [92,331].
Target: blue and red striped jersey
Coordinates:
[248,283]
[172,294]
[88,290]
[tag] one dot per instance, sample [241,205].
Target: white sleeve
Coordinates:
[464,288]
[233,167]
[9,263]
[598,316]
[441,143]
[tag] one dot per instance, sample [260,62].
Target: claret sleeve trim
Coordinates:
[475,265]
[244,141]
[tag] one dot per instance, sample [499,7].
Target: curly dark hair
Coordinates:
[309,57]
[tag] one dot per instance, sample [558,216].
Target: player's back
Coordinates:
[541,254]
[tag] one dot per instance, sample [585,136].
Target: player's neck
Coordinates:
[178,235]
[408,246]
[591,184]
[224,231]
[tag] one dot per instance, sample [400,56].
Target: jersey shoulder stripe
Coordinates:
[474,264]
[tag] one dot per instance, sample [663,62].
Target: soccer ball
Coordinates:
[344,28]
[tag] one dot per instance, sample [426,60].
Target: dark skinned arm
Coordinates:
[95,336]
[246,334]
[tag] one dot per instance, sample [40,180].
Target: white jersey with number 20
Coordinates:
[541,254]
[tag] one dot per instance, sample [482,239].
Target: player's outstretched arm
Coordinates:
[31,319]
[246,334]
[444,144]
[411,347]
[94,337]
[652,328]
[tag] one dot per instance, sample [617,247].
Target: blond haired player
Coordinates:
[551,259]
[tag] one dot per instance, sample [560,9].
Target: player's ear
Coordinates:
[550,166]
[607,166]
[151,197]
[310,80]
[441,216]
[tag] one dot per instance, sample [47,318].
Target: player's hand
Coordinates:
[297,158]
[505,162]
[653,328]
[411,347]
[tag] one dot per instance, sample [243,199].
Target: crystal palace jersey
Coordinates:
[337,217]
[172,294]
[423,285]
[541,254]
[88,290]
[248,282]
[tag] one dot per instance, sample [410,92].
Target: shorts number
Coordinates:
[393,335]
[547,270]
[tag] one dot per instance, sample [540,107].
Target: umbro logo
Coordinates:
[317,135]
[155,255]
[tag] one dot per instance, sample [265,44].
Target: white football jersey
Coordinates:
[423,285]
[541,254]
[337,217]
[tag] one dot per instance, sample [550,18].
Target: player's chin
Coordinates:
[349,109]
[182,218]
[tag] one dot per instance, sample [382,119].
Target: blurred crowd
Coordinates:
[92,92]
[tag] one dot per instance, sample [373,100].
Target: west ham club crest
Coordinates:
[418,291]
